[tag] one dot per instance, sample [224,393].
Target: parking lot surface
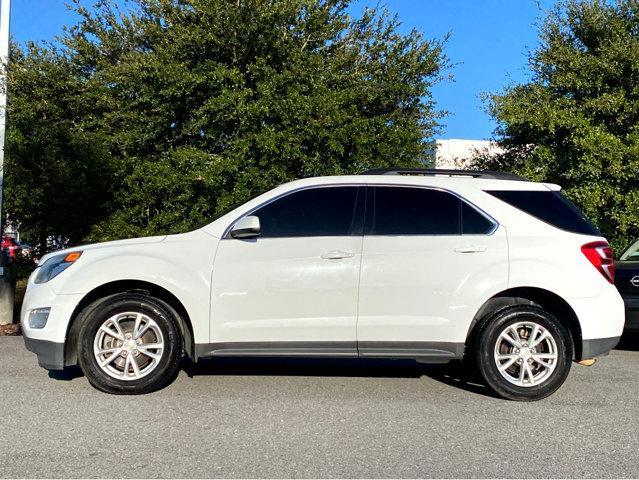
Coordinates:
[317,418]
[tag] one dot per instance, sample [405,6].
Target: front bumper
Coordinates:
[47,342]
[50,354]
[61,310]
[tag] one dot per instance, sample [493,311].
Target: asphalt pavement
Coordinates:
[317,418]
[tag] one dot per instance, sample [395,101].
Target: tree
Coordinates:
[195,105]
[576,121]
[56,173]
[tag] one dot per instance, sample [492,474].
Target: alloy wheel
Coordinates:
[526,354]
[128,346]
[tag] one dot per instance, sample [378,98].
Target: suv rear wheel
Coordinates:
[129,343]
[524,353]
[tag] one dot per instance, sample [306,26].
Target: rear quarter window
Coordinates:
[549,206]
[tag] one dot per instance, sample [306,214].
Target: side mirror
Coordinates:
[246,227]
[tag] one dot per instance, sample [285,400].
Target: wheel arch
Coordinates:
[540,297]
[123,286]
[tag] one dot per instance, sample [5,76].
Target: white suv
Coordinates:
[431,265]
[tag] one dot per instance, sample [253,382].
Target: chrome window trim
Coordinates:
[495,223]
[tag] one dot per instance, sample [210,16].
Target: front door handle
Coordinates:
[336,255]
[470,249]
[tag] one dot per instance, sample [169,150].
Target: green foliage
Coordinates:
[56,173]
[576,122]
[185,107]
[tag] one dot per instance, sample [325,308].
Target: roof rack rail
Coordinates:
[445,172]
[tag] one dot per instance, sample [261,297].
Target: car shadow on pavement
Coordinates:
[460,375]
[455,374]
[69,373]
[629,341]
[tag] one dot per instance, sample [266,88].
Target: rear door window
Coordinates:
[474,222]
[549,206]
[422,211]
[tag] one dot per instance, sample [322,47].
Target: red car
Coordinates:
[12,247]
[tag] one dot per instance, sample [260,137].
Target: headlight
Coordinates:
[54,266]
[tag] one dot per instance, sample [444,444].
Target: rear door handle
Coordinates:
[336,255]
[470,249]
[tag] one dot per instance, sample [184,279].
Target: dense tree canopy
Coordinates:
[157,118]
[576,122]
[57,174]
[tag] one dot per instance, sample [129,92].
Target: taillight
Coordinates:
[601,257]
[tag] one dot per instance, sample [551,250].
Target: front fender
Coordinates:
[183,270]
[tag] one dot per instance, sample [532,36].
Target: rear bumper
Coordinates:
[597,347]
[601,320]
[50,354]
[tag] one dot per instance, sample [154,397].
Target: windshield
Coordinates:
[632,253]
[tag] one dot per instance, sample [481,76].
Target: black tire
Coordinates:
[92,318]
[488,335]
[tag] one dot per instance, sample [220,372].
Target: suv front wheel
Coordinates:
[524,353]
[129,343]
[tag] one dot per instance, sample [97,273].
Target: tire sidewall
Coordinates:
[96,314]
[486,347]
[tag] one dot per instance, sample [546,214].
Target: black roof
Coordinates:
[440,171]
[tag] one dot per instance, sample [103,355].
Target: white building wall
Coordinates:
[455,153]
